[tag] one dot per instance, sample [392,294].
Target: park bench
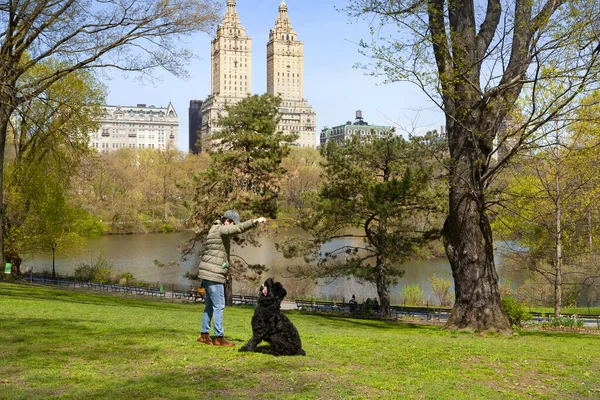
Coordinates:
[418,312]
[396,312]
[323,306]
[342,308]
[244,300]
[427,313]
[237,299]
[304,305]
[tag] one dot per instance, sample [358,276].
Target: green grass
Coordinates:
[73,345]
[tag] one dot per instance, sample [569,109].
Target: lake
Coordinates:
[136,254]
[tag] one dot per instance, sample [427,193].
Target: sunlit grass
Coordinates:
[72,345]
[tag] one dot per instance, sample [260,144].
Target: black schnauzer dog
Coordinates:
[271,325]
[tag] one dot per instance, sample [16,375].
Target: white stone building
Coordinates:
[136,127]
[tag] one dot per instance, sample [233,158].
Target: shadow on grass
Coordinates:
[205,381]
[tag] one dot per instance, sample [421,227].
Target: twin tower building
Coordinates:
[231,76]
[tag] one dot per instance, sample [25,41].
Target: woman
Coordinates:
[212,270]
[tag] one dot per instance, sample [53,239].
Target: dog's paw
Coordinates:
[244,349]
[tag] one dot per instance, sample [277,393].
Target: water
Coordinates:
[136,254]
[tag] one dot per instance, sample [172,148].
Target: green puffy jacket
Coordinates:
[214,261]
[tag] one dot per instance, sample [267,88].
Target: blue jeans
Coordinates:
[213,307]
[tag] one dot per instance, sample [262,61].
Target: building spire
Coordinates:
[231,19]
[283,25]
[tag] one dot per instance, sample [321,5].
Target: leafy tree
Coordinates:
[48,138]
[475,64]
[377,207]
[245,173]
[84,35]
[546,208]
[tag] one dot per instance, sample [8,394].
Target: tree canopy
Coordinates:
[48,137]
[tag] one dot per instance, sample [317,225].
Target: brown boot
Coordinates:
[205,339]
[221,341]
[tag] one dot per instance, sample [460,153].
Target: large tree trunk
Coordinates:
[469,243]
[4,122]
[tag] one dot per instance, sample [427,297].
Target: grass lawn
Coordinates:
[74,345]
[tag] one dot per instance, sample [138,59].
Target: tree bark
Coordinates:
[5,113]
[469,243]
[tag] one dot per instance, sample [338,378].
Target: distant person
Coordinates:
[212,270]
[352,304]
[367,306]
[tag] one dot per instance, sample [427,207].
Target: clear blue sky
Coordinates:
[332,85]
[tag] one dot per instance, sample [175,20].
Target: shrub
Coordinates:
[413,294]
[91,226]
[441,288]
[128,279]
[566,321]
[101,270]
[167,228]
[515,311]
